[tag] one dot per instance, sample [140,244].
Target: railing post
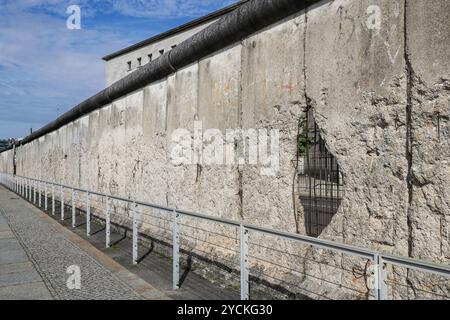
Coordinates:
[244,263]
[39,194]
[53,199]
[176,250]
[381,277]
[135,234]
[62,203]
[45,197]
[34,191]
[108,223]
[74,212]
[88,215]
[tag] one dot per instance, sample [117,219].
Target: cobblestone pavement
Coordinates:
[52,253]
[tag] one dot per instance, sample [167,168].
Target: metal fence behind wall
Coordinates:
[257,255]
[320,180]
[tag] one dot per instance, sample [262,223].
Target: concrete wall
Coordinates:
[379,89]
[6,162]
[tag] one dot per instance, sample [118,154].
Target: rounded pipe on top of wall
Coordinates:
[252,16]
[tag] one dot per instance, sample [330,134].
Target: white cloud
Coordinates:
[133,8]
[166,8]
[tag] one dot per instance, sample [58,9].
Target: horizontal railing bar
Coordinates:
[211,218]
[324,244]
[141,203]
[418,265]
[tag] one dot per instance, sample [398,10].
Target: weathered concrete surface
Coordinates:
[381,106]
[273,97]
[6,162]
[428,47]
[359,97]
[427,53]
[356,83]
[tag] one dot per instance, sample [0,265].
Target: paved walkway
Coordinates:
[35,253]
[19,278]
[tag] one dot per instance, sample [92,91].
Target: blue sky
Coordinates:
[46,69]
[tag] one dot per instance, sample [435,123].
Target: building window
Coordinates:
[174,46]
[139,60]
[129,65]
[161,51]
[150,57]
[320,180]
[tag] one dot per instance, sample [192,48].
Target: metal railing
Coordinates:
[33,189]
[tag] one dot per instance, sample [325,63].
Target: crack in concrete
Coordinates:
[409,129]
[410,75]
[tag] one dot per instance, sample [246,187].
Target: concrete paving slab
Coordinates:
[13,256]
[6,235]
[9,244]
[4,227]
[16,268]
[28,291]
[19,278]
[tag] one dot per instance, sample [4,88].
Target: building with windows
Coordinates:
[119,64]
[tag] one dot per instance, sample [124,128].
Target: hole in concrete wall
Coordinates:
[129,65]
[139,61]
[161,51]
[320,181]
[150,57]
